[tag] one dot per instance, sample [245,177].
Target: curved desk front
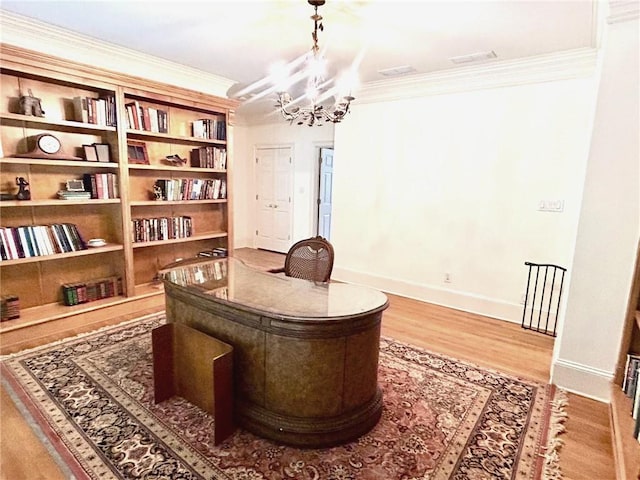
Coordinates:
[306,354]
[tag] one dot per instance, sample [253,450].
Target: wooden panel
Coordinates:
[626,448]
[315,386]
[197,367]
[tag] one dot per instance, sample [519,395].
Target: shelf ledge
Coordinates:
[194,238]
[50,122]
[57,202]
[62,256]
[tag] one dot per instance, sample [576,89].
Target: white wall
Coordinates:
[305,142]
[451,184]
[609,226]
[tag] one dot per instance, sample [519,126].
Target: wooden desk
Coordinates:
[305,353]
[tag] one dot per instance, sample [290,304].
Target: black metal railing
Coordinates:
[547,292]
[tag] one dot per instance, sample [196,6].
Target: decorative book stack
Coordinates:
[83,292]
[71,195]
[178,189]
[209,157]
[39,240]
[214,252]
[210,128]
[9,307]
[161,228]
[98,111]
[631,388]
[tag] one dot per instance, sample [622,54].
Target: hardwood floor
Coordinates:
[586,454]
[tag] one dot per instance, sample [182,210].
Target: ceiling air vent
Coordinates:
[397,71]
[474,57]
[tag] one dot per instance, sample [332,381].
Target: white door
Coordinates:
[274,174]
[325,191]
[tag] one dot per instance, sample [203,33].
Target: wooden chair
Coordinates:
[310,259]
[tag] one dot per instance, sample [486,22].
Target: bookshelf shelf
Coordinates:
[70,91]
[54,311]
[159,203]
[56,163]
[169,168]
[62,256]
[141,134]
[149,289]
[53,123]
[57,202]
[193,238]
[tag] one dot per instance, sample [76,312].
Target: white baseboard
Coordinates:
[574,377]
[446,297]
[581,379]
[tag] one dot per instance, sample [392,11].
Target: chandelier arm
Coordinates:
[316,88]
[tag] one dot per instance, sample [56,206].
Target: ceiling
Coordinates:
[241,39]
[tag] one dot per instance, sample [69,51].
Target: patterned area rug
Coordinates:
[92,397]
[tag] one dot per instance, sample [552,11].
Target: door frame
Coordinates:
[316,181]
[254,210]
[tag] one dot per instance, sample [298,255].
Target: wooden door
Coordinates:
[274,174]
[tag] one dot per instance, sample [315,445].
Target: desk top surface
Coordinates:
[229,280]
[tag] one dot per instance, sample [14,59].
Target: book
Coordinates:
[62,235]
[146,118]
[635,409]
[163,121]
[631,374]
[154,124]
[80,109]
[25,242]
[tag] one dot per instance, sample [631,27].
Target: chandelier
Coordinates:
[315,113]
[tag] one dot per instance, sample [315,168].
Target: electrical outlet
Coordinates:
[447,277]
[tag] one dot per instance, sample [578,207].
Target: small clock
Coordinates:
[47,145]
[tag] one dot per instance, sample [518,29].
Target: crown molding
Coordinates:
[42,37]
[623,11]
[569,64]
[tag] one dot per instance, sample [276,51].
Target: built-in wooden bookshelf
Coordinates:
[626,447]
[37,280]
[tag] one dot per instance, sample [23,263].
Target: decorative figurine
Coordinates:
[176,160]
[30,105]
[23,192]
[157,192]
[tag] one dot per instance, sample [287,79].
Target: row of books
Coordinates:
[39,240]
[9,307]
[101,185]
[161,228]
[83,292]
[149,119]
[209,157]
[631,388]
[214,252]
[199,274]
[191,188]
[98,111]
[210,128]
